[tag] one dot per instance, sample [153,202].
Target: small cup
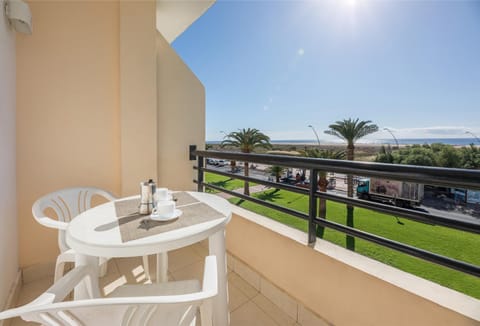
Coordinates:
[161,194]
[164,209]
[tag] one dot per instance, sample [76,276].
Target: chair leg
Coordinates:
[65,257]
[162,267]
[146,267]
[103,266]
[206,315]
[59,269]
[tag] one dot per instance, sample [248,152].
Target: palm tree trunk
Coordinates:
[246,189]
[322,186]
[350,157]
[322,203]
[350,221]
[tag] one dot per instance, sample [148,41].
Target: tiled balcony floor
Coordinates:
[247,306]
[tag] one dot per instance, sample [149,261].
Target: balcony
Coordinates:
[282,276]
[306,275]
[118,100]
[249,304]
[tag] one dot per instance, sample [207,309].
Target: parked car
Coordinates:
[288,180]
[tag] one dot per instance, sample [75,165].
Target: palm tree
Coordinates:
[322,175]
[351,130]
[247,140]
[277,171]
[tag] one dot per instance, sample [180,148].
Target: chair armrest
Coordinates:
[52,299]
[105,194]
[56,293]
[51,223]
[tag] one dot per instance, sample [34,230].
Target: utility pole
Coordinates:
[474,136]
[391,133]
[316,135]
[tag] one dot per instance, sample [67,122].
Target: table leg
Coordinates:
[82,290]
[216,246]
[162,267]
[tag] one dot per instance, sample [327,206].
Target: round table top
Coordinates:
[96,232]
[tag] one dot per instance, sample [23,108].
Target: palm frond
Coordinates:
[247,140]
[351,130]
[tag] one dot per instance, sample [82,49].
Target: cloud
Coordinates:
[266,108]
[300,51]
[378,137]
[426,132]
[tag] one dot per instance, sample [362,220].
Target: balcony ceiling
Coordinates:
[174,17]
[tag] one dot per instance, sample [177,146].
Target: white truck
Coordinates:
[398,193]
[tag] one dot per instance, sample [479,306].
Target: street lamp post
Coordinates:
[233,164]
[223,132]
[391,133]
[316,135]
[474,136]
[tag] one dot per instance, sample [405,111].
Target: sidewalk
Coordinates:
[253,189]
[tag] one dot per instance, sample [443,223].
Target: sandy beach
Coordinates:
[363,152]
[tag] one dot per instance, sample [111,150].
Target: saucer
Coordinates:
[163,218]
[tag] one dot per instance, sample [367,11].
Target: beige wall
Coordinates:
[67,110]
[88,112]
[181,118]
[8,209]
[138,94]
[337,292]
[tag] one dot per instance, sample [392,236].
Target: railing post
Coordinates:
[312,208]
[200,164]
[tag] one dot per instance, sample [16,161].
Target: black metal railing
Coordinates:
[458,178]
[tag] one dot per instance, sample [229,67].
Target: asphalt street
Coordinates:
[436,206]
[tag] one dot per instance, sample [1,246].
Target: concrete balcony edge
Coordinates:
[433,292]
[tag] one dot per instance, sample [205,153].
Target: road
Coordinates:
[436,206]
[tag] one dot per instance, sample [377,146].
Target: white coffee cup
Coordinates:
[161,194]
[165,209]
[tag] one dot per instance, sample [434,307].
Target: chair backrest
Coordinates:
[142,306]
[67,204]
[101,314]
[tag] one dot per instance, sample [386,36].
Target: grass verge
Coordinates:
[452,243]
[224,182]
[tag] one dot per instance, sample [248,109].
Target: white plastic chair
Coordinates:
[67,204]
[172,303]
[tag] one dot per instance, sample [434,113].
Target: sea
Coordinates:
[429,141]
[404,141]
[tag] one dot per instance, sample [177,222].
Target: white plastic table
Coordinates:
[90,239]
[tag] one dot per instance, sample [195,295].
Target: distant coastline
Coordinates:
[401,141]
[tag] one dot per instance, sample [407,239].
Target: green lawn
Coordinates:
[452,243]
[224,182]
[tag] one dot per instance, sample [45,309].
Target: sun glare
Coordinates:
[350,3]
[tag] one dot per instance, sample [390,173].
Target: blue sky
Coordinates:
[279,66]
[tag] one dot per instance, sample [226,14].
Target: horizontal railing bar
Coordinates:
[257,201]
[427,175]
[262,182]
[378,207]
[403,212]
[413,251]
[459,178]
